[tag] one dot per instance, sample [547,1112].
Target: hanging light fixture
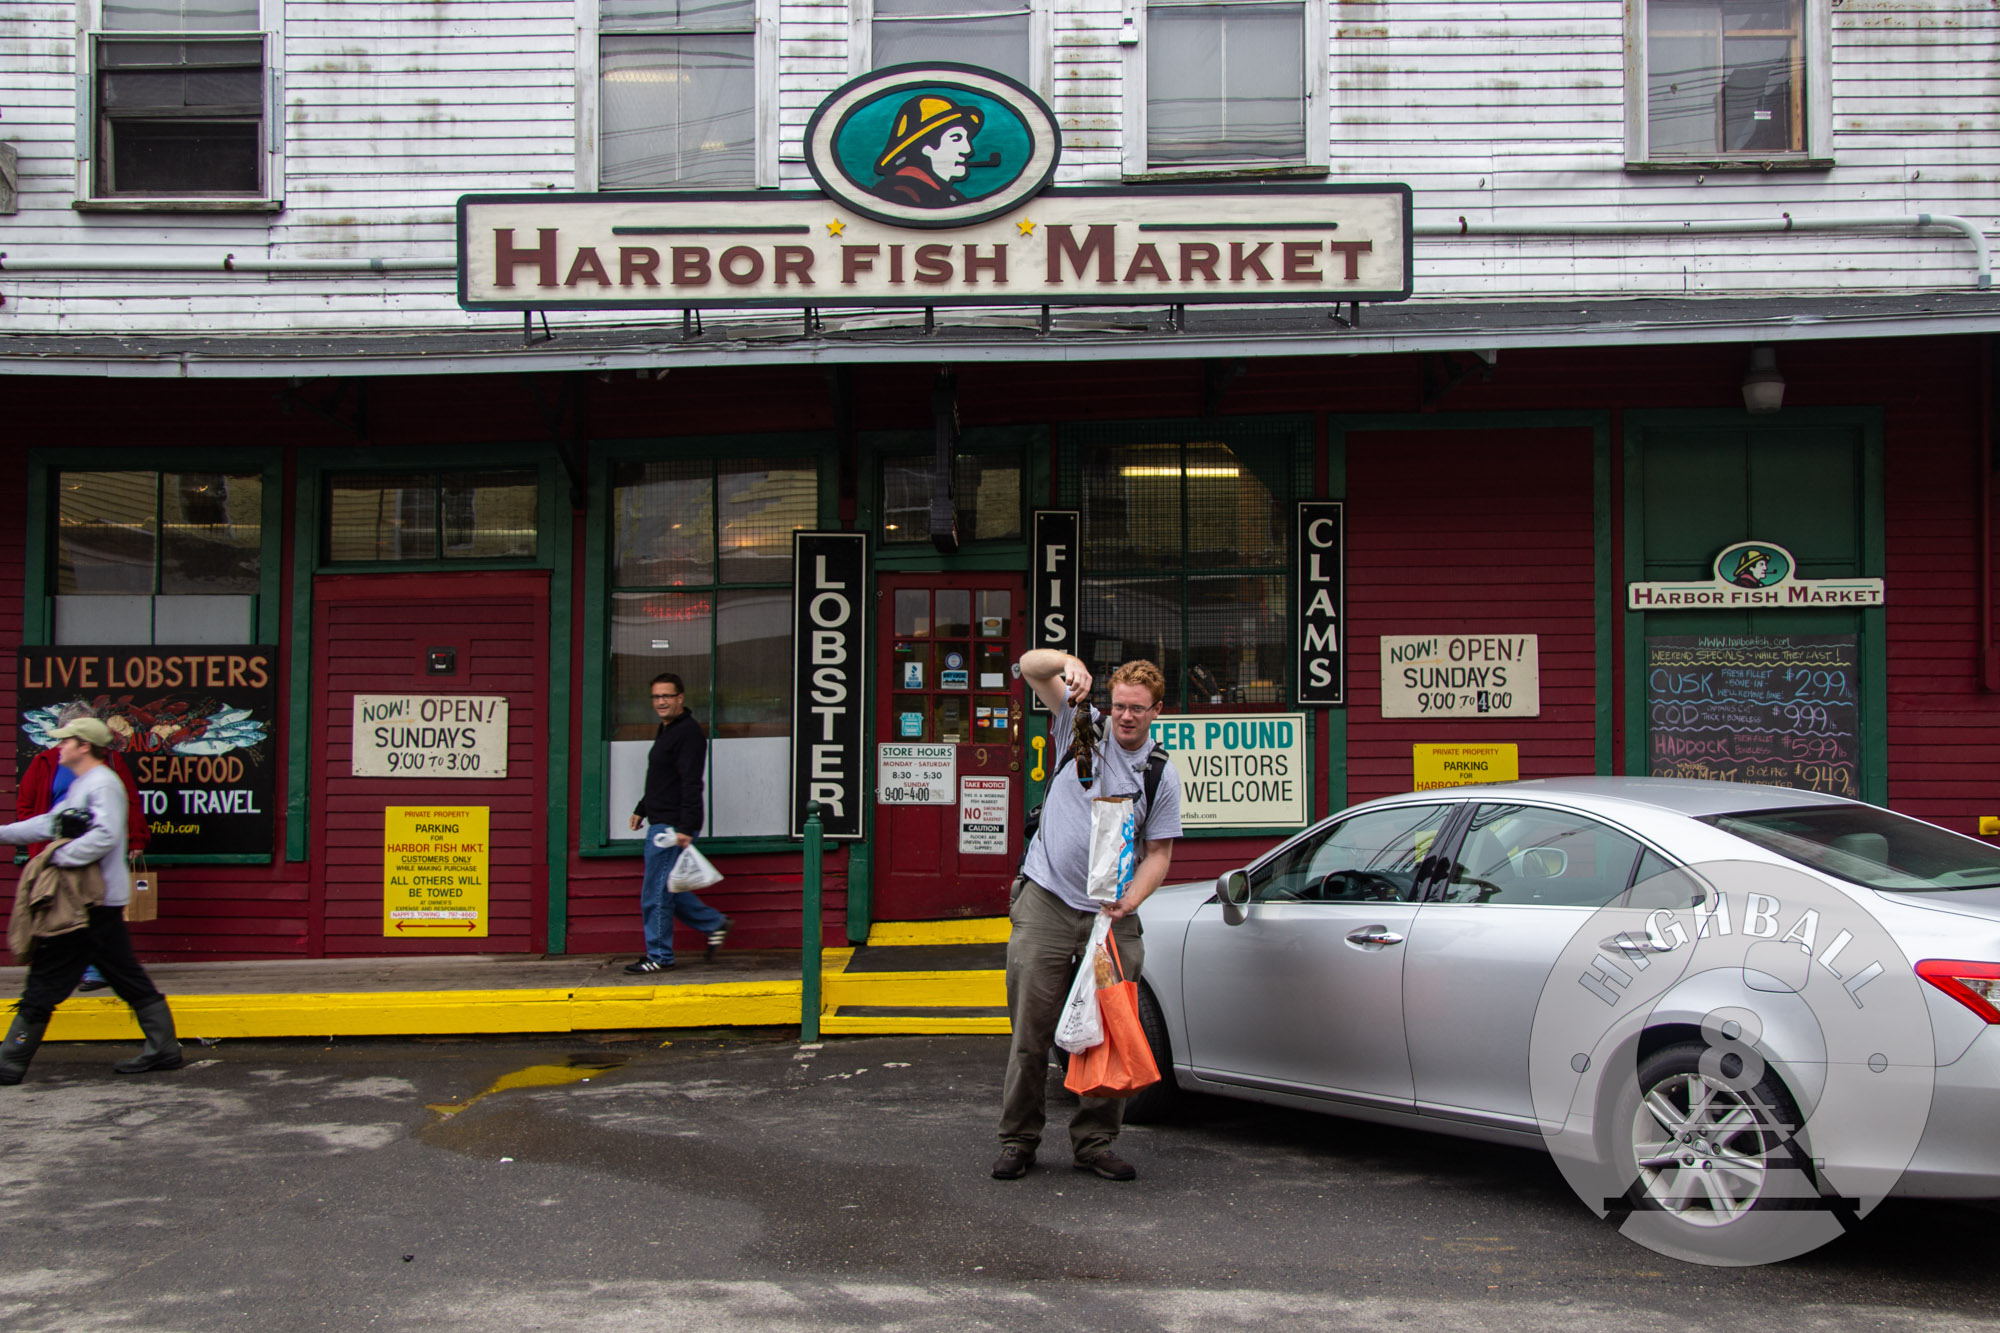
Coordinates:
[1763,386]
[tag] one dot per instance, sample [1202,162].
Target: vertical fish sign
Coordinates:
[1057,584]
[1320,584]
[829,690]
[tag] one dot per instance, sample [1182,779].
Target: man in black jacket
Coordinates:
[670,812]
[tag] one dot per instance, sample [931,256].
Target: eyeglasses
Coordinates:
[662,698]
[1133,710]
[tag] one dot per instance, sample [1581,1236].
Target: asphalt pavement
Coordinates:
[733,1180]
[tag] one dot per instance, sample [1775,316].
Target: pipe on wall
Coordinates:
[1784,223]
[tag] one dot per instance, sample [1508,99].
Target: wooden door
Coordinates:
[376,634]
[947,648]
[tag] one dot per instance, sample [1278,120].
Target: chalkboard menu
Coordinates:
[1775,709]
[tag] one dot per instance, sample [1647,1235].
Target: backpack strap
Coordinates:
[1156,764]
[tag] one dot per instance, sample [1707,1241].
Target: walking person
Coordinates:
[92,814]
[1052,911]
[42,788]
[670,813]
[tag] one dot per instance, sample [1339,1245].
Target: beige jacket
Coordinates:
[51,900]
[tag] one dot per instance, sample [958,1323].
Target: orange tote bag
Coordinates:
[1121,1064]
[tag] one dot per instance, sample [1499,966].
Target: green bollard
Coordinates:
[809,928]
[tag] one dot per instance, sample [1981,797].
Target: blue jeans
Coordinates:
[657,907]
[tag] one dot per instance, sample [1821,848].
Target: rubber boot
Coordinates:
[18,1048]
[162,1050]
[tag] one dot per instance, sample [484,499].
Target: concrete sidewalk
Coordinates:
[909,977]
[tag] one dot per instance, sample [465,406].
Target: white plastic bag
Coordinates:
[692,871]
[1113,822]
[1082,1024]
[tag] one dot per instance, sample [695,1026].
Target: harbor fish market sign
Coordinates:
[936,192]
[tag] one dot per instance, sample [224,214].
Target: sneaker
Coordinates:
[1013,1162]
[1109,1165]
[716,937]
[648,965]
[92,983]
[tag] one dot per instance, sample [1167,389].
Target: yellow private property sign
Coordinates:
[1463,765]
[434,871]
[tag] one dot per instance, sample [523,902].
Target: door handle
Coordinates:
[1625,943]
[1375,935]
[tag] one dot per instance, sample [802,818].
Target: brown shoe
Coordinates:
[1109,1165]
[1013,1162]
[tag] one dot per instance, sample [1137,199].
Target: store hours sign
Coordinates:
[430,736]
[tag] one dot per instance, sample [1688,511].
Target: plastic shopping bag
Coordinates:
[1122,1064]
[1080,1028]
[692,871]
[1112,826]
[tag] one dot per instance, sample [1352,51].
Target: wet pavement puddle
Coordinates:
[577,1069]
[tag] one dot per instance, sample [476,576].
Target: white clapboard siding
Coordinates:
[1496,111]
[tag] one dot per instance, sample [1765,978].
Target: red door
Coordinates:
[378,634]
[952,707]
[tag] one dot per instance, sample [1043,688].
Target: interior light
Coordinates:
[1199,470]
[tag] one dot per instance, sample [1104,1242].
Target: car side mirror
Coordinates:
[1233,890]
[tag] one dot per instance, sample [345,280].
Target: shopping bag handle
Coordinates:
[1111,938]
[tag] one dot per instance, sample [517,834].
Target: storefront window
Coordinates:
[986,495]
[1184,553]
[701,573]
[157,557]
[390,516]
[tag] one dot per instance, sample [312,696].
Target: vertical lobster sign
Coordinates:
[1320,584]
[829,656]
[1057,585]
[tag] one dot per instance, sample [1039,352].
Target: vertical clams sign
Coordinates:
[193,724]
[829,651]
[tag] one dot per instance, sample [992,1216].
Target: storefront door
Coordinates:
[437,650]
[949,776]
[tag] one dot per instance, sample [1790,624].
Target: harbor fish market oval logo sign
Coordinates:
[933,145]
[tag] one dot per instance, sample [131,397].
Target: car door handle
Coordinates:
[1633,944]
[1377,935]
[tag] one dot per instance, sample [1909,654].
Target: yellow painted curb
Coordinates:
[835,1025]
[983,930]
[924,990]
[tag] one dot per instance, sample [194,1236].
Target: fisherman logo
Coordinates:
[933,145]
[1753,565]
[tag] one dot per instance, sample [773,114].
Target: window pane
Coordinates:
[1519,854]
[678,111]
[651,633]
[489,515]
[106,538]
[762,503]
[1239,640]
[182,15]
[1225,84]
[211,537]
[1129,618]
[999,44]
[988,498]
[182,157]
[1371,857]
[656,15]
[1131,501]
[754,664]
[104,619]
[1725,78]
[1233,519]
[204,620]
[390,516]
[662,524]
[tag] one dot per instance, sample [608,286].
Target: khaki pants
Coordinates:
[1048,937]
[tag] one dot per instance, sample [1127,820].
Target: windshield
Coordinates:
[1869,846]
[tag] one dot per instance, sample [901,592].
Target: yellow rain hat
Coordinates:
[920,116]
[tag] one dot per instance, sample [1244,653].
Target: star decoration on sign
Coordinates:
[1027,226]
[835,227]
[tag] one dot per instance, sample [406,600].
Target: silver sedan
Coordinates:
[1738,1015]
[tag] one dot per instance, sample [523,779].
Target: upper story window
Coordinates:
[177,94]
[1228,85]
[157,557]
[677,93]
[992,34]
[1715,80]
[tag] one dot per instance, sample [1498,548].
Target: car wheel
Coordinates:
[1158,1101]
[1703,1153]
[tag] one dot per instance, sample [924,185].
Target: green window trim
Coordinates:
[37,602]
[592,840]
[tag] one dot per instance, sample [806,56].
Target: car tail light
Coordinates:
[1974,985]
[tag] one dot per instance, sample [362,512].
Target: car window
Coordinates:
[1370,857]
[1522,854]
[1866,845]
[1658,882]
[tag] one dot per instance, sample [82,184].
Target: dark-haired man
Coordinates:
[670,813]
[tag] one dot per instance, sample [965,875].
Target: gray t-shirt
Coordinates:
[1059,857]
[102,794]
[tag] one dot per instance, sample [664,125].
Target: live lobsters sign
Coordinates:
[935,184]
